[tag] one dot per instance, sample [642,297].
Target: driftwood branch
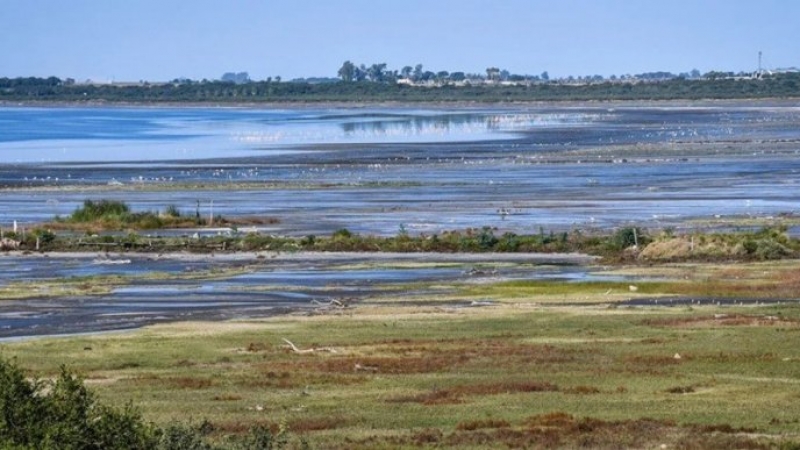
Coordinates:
[309,350]
[333,303]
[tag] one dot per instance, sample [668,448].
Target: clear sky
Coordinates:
[158,40]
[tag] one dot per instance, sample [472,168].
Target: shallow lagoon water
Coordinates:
[427,170]
[254,288]
[373,171]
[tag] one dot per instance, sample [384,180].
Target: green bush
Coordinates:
[769,249]
[342,233]
[63,415]
[102,209]
[629,237]
[182,437]
[172,211]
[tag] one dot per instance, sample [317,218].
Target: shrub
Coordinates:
[102,209]
[486,239]
[628,237]
[172,211]
[147,221]
[182,437]
[45,236]
[64,415]
[769,249]
[262,438]
[342,233]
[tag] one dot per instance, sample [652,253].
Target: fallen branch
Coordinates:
[309,350]
[333,303]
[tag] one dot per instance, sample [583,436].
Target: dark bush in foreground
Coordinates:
[64,415]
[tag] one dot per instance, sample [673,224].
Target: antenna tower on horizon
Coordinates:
[759,62]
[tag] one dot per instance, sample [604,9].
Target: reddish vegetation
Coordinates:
[562,430]
[297,378]
[482,424]
[582,390]
[316,423]
[240,428]
[174,382]
[454,394]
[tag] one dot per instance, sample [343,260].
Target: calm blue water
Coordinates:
[97,135]
[116,135]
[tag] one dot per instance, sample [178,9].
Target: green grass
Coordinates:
[439,371]
[544,366]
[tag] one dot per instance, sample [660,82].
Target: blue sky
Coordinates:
[131,40]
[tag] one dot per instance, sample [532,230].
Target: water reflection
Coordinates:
[468,124]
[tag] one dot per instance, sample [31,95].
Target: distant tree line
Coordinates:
[374,84]
[379,73]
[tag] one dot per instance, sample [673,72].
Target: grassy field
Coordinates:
[521,372]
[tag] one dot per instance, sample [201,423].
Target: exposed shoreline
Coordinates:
[539,258]
[358,104]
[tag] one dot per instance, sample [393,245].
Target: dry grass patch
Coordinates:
[723,320]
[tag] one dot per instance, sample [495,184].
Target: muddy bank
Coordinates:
[174,287]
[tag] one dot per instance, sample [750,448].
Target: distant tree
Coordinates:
[714,75]
[442,75]
[405,72]
[376,72]
[545,76]
[492,73]
[418,72]
[347,72]
[361,73]
[458,76]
